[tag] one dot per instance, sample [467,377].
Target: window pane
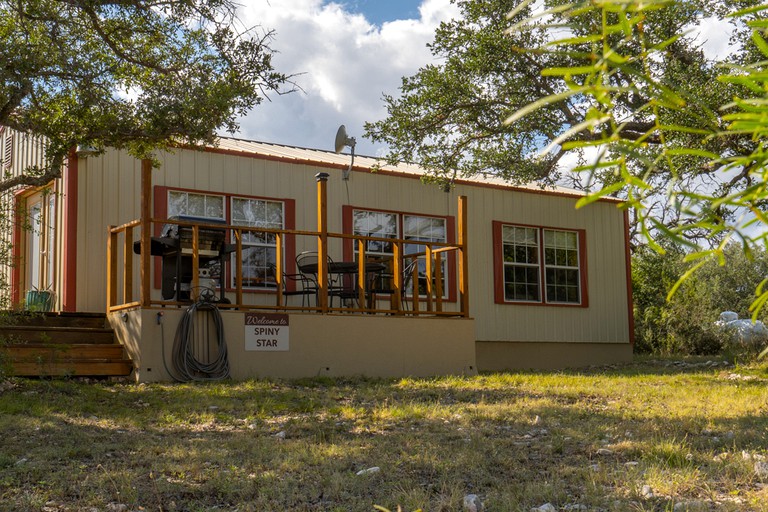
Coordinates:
[561,258]
[260,251]
[177,204]
[195,205]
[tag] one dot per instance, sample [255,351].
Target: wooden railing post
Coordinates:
[397,272]
[128,266]
[194,286]
[111,268]
[438,282]
[146,230]
[429,271]
[322,240]
[238,267]
[415,286]
[463,257]
[362,275]
[279,268]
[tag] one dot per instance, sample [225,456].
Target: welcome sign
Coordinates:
[266,332]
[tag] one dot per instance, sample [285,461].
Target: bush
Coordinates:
[686,323]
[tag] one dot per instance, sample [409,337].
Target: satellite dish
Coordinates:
[342,139]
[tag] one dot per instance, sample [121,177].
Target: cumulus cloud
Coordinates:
[344,66]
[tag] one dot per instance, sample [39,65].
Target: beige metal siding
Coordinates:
[606,317]
[24,152]
[110,184]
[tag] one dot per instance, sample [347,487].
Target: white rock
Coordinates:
[632,464]
[547,507]
[761,469]
[280,435]
[576,506]
[537,420]
[745,455]
[117,507]
[646,492]
[604,452]
[368,471]
[691,506]
[472,503]
[595,467]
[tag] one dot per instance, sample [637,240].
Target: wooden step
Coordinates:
[63,319]
[38,359]
[61,344]
[36,351]
[16,334]
[89,368]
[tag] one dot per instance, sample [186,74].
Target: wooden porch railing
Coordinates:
[120,268]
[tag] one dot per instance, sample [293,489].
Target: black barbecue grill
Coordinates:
[174,245]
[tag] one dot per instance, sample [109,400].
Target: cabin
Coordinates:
[247,259]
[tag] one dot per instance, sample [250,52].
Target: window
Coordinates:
[418,228]
[205,206]
[259,249]
[561,266]
[539,265]
[521,264]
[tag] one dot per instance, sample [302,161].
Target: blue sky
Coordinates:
[380,11]
[346,55]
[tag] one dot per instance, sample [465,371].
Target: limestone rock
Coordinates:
[472,503]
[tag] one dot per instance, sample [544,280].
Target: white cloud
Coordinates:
[347,65]
[714,36]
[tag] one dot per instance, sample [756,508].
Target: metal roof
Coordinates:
[366,163]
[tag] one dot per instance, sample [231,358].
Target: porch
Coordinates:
[344,325]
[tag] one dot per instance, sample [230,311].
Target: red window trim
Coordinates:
[161,212]
[450,227]
[498,266]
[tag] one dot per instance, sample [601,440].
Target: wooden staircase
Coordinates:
[62,344]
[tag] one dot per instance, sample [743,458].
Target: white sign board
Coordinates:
[266,332]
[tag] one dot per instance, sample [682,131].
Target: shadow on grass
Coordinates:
[518,439]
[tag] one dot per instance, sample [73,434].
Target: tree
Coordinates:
[501,61]
[686,322]
[134,74]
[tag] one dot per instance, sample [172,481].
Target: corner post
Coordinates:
[146,229]
[463,257]
[111,268]
[322,240]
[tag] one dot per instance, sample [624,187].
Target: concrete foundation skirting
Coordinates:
[312,345]
[505,355]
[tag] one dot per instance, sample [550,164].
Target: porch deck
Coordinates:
[378,336]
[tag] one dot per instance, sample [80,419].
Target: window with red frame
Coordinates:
[415,228]
[259,248]
[540,265]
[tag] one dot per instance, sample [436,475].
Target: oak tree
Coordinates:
[134,74]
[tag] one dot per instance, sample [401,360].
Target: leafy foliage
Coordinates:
[685,324]
[135,74]
[620,79]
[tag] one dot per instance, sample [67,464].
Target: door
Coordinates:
[40,235]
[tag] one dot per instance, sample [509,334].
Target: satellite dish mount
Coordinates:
[342,139]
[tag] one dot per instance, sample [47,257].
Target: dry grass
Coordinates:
[592,439]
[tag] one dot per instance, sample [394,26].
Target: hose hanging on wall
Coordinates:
[187,350]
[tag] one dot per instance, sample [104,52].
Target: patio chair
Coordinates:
[303,286]
[339,285]
[384,283]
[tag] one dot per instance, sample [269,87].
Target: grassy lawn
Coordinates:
[647,436]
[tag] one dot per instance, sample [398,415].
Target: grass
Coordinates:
[592,439]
